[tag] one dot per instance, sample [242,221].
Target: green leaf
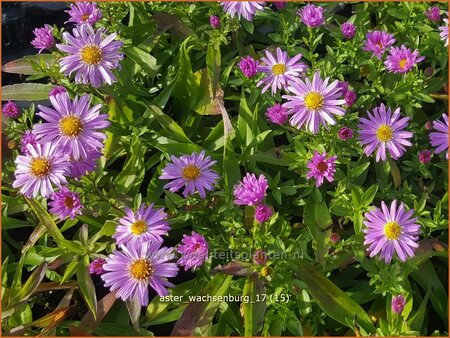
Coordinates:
[395,172]
[45,219]
[31,284]
[245,122]
[213,63]
[24,65]
[359,170]
[144,59]
[255,308]
[26,92]
[231,172]
[86,286]
[369,195]
[416,321]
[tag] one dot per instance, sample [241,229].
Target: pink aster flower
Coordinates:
[335,237]
[391,230]
[348,30]
[214,21]
[191,171]
[398,304]
[281,71]
[137,266]
[311,15]
[10,109]
[321,167]
[96,266]
[251,190]
[27,138]
[65,203]
[263,213]
[384,130]
[194,251]
[260,257]
[350,98]
[245,9]
[439,137]
[313,103]
[82,166]
[280,5]
[43,38]
[444,31]
[343,87]
[277,114]
[345,133]
[401,59]
[57,90]
[248,66]
[37,173]
[92,57]
[425,156]
[73,125]
[377,42]
[433,14]
[84,12]
[148,224]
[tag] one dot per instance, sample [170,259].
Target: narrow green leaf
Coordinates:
[45,219]
[255,308]
[86,286]
[26,92]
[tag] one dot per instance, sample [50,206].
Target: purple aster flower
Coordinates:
[251,190]
[82,166]
[397,304]
[335,237]
[377,42]
[280,5]
[27,138]
[57,90]
[384,130]
[343,86]
[439,137]
[43,38]
[248,66]
[425,156]
[345,133]
[91,57]
[311,15]
[263,213]
[401,59]
[281,71]
[321,167]
[277,114]
[348,30]
[194,250]
[214,21]
[96,266]
[191,171]
[391,230]
[444,31]
[65,203]
[73,125]
[10,109]
[350,98]
[131,270]
[148,224]
[84,12]
[314,103]
[245,9]
[37,172]
[433,13]
[260,257]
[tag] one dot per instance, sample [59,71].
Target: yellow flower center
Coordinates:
[322,166]
[141,269]
[313,101]
[69,202]
[278,69]
[384,133]
[91,55]
[85,17]
[139,227]
[402,63]
[40,167]
[70,126]
[392,230]
[190,172]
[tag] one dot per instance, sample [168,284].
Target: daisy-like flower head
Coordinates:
[263,213]
[82,166]
[439,137]
[314,103]
[321,167]
[248,66]
[84,12]
[214,21]
[444,31]
[345,133]
[57,90]
[43,38]
[377,42]
[92,57]
[191,171]
[348,30]
[10,109]
[251,190]
[398,304]
[27,138]
[194,250]
[277,114]
[391,230]
[245,9]
[280,5]
[280,70]
[350,98]
[260,257]
[73,125]
[311,15]
[384,130]
[433,14]
[401,59]
[148,224]
[37,172]
[65,203]
[425,156]
[96,266]
[137,266]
